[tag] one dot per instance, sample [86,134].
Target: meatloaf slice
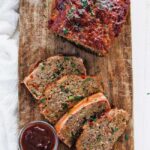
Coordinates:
[104,132]
[92,24]
[65,93]
[70,125]
[50,70]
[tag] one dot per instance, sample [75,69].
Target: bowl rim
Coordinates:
[41,122]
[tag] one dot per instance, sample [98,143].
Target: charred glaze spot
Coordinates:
[50,22]
[117,29]
[60,4]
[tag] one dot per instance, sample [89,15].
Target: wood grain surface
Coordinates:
[114,71]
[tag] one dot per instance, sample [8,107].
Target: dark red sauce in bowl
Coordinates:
[38,135]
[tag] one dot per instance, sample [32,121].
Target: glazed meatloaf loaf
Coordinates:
[50,70]
[65,93]
[70,125]
[90,23]
[104,132]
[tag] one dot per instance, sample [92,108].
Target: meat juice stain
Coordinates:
[38,137]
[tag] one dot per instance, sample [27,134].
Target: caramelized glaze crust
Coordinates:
[90,23]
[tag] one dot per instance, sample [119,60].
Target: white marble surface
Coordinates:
[140,11]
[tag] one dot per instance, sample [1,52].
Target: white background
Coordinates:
[140,12]
[141,71]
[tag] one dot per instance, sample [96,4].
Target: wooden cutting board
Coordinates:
[114,70]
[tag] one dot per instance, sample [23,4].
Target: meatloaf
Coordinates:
[92,24]
[104,132]
[50,70]
[70,125]
[65,93]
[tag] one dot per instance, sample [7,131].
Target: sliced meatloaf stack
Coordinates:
[104,132]
[73,102]
[65,93]
[70,125]
[50,70]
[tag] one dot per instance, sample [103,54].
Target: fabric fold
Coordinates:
[8,74]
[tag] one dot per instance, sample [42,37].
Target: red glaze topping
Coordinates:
[91,22]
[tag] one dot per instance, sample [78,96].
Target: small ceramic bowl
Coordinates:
[38,123]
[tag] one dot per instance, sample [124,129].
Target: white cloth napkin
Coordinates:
[8,74]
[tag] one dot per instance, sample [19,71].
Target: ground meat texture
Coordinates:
[66,93]
[91,23]
[70,125]
[50,70]
[104,132]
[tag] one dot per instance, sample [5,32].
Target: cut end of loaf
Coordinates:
[87,109]
[50,70]
[104,132]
